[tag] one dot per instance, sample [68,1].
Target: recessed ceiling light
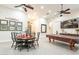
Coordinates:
[42,7]
[49,11]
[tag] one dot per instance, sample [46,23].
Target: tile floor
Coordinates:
[45,48]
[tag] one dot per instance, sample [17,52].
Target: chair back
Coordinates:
[28,31]
[33,34]
[38,34]
[13,36]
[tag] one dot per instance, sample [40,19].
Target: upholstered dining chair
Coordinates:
[15,41]
[30,43]
[33,34]
[37,38]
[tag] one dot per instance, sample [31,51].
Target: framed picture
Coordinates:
[3,25]
[72,23]
[12,23]
[19,23]
[12,28]
[3,28]
[19,28]
[3,22]
[43,28]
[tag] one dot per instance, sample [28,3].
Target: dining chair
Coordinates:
[33,40]
[37,38]
[15,41]
[30,42]
[33,34]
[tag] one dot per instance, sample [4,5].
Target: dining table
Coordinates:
[26,38]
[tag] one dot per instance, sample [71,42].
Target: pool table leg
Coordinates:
[49,39]
[72,46]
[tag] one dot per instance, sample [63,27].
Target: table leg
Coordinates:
[53,40]
[49,39]
[72,46]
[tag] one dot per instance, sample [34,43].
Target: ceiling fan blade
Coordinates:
[67,12]
[28,6]
[67,9]
[19,5]
[62,11]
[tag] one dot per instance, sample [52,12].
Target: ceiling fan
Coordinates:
[62,11]
[25,6]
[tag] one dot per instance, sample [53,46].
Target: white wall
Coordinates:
[36,24]
[56,23]
[10,13]
[20,16]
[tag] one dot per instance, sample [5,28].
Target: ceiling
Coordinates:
[44,9]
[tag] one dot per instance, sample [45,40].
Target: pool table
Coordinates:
[72,40]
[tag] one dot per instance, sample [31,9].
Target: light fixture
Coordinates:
[42,7]
[49,11]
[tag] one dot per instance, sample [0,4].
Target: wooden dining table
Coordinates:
[25,38]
